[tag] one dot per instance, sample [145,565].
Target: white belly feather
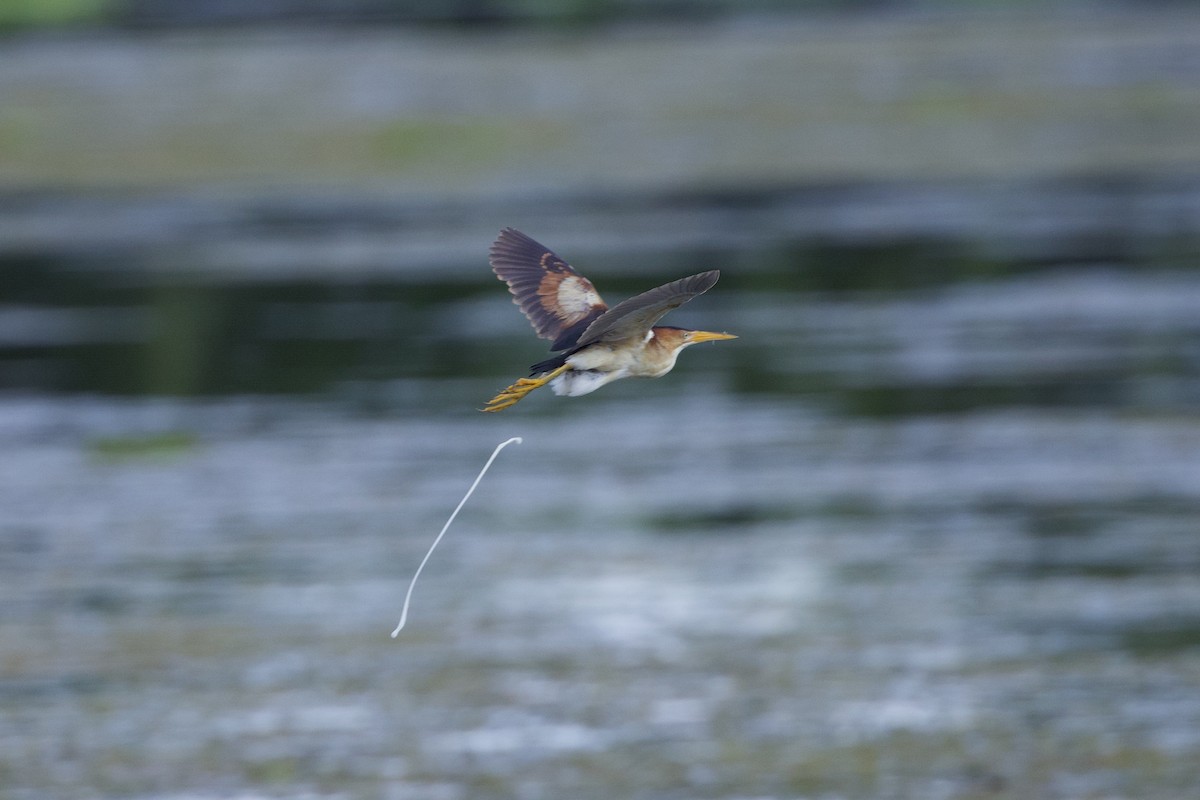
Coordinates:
[575,382]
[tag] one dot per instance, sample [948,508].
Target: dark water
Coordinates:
[927,529]
[872,299]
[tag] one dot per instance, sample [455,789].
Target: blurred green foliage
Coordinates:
[34,13]
[157,445]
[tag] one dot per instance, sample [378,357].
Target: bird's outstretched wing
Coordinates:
[635,316]
[559,302]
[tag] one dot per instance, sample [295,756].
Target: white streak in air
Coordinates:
[446,527]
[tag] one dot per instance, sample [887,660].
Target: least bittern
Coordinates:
[599,344]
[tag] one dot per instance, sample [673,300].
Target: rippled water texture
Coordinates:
[671,589]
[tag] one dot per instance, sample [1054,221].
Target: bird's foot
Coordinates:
[523,386]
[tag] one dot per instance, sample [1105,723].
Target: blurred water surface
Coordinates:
[936,540]
[927,529]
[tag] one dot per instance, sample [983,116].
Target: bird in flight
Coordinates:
[596,344]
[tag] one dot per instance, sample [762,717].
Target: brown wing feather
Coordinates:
[635,316]
[558,301]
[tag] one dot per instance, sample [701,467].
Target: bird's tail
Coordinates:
[553,362]
[516,392]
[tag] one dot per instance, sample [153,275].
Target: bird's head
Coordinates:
[675,339]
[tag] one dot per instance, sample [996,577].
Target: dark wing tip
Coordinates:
[509,233]
[703,281]
[512,244]
[514,240]
[693,285]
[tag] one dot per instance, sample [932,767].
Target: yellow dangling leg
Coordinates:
[513,394]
